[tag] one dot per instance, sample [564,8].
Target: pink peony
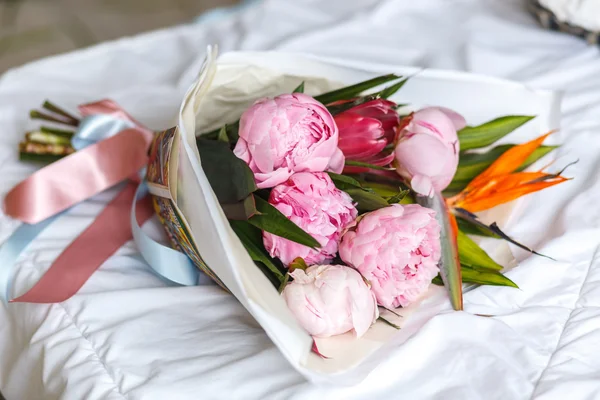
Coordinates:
[365,130]
[330,300]
[312,202]
[289,133]
[397,249]
[427,149]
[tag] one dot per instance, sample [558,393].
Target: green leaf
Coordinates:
[230,177]
[472,164]
[472,229]
[284,282]
[251,238]
[382,189]
[300,88]
[486,277]
[231,129]
[399,197]
[339,108]
[389,191]
[298,263]
[273,221]
[223,134]
[449,263]
[344,182]
[352,163]
[483,277]
[470,253]
[391,90]
[385,321]
[242,210]
[366,201]
[474,137]
[491,229]
[352,91]
[383,94]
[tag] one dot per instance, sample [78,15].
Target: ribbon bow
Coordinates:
[111,148]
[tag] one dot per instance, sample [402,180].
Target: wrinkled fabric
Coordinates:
[128,334]
[330,300]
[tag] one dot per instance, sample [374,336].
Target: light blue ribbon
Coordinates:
[91,130]
[165,261]
[95,128]
[14,246]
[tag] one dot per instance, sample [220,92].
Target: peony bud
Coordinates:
[427,149]
[330,300]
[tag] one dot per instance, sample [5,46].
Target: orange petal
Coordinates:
[480,203]
[509,161]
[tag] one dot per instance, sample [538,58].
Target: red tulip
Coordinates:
[365,130]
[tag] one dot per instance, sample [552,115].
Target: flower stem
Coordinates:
[55,109]
[35,114]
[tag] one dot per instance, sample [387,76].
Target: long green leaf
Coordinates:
[344,182]
[389,91]
[352,91]
[486,277]
[389,191]
[388,322]
[449,263]
[382,189]
[340,108]
[352,163]
[251,238]
[366,201]
[470,253]
[481,277]
[230,178]
[470,228]
[273,221]
[474,137]
[492,229]
[399,197]
[382,94]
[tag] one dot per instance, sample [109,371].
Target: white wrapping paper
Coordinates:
[225,87]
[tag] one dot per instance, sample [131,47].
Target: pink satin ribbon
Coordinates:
[74,266]
[77,177]
[73,179]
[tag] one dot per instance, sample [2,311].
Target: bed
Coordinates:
[128,334]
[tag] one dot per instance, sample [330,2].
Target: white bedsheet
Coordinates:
[128,334]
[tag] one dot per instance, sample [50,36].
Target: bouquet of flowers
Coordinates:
[329,210]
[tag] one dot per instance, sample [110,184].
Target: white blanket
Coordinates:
[128,334]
